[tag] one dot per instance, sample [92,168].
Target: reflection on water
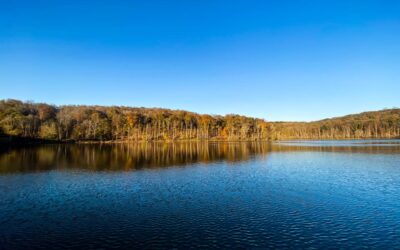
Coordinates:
[115,157]
[125,157]
[287,195]
[343,146]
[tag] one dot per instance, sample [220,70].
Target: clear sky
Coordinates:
[278,60]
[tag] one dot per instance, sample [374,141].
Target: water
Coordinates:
[336,194]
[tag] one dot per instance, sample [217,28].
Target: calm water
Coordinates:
[336,194]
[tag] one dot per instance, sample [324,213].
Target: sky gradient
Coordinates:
[278,60]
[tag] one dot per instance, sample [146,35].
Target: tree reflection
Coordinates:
[119,157]
[127,157]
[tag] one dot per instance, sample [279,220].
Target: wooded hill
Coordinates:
[99,123]
[375,124]
[43,121]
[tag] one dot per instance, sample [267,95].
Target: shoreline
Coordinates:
[12,140]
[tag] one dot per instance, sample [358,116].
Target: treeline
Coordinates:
[43,121]
[99,123]
[376,124]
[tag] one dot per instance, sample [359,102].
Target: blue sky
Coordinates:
[278,60]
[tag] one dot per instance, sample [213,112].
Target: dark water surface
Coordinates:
[336,194]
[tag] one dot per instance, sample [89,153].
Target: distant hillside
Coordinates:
[39,121]
[374,124]
[43,121]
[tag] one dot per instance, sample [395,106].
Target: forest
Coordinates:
[119,123]
[367,125]
[99,123]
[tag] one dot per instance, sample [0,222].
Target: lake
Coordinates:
[292,194]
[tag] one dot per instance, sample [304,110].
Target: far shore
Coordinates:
[13,140]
